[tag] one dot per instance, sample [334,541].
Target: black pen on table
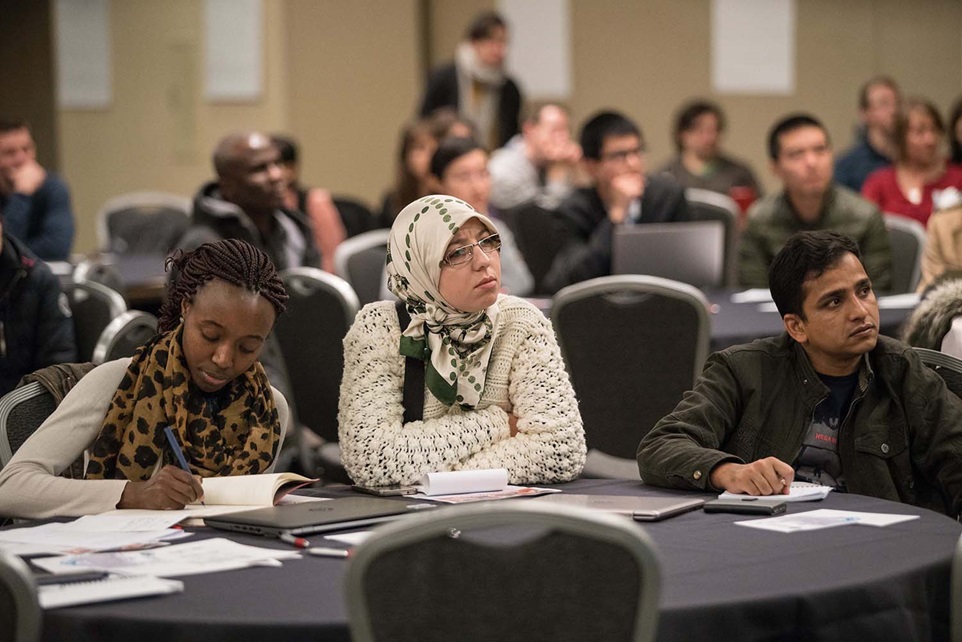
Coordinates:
[178,453]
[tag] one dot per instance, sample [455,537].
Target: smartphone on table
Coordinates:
[391,490]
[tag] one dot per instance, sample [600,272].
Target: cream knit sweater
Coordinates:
[525,376]
[29,484]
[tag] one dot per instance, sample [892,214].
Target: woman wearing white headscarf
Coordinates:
[496,393]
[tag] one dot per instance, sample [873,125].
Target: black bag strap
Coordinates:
[413,374]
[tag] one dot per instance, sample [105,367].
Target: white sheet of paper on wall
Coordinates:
[233,50]
[82,32]
[540,53]
[753,46]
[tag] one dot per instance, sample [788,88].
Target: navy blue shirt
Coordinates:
[854,166]
[43,221]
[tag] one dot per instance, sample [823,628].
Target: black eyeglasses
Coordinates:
[464,253]
[622,155]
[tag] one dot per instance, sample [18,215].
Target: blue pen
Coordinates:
[178,453]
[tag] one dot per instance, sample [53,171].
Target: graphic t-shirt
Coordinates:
[818,461]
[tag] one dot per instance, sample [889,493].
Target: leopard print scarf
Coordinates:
[233,432]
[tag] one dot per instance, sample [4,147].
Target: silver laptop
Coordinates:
[690,252]
[306,518]
[643,509]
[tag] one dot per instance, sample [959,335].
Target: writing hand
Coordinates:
[170,488]
[769,476]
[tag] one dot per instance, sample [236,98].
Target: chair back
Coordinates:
[705,205]
[22,410]
[124,335]
[907,240]
[540,235]
[143,223]
[93,307]
[360,261]
[319,313]
[355,215]
[633,345]
[508,571]
[947,366]
[20,614]
[100,269]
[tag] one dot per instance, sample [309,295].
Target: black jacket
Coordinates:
[588,252]
[213,219]
[901,440]
[442,91]
[36,327]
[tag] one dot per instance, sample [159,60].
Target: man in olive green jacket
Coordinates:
[830,401]
[801,156]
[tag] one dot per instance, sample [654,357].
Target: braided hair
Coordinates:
[236,262]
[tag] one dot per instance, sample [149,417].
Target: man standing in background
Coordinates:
[476,84]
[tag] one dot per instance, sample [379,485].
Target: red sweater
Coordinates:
[883,189]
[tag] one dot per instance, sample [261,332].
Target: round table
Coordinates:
[720,581]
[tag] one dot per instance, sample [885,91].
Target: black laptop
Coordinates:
[306,518]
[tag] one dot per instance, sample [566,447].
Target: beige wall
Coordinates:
[648,56]
[354,77]
[27,56]
[158,133]
[343,76]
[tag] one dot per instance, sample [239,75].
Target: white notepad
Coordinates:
[799,492]
[111,588]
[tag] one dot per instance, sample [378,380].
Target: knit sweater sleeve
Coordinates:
[377,448]
[550,444]
[29,483]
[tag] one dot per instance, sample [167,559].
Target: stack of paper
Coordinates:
[93,533]
[824,518]
[207,556]
[54,596]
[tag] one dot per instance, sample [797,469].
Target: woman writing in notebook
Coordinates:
[495,391]
[200,376]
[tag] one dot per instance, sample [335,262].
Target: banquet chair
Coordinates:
[540,234]
[508,571]
[705,205]
[99,269]
[124,335]
[310,334]
[20,614]
[356,217]
[93,307]
[947,366]
[359,260]
[22,410]
[633,345]
[907,239]
[142,223]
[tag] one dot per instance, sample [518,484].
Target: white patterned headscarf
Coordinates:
[455,345]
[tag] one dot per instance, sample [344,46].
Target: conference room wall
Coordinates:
[23,51]
[158,132]
[647,57]
[340,76]
[343,76]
